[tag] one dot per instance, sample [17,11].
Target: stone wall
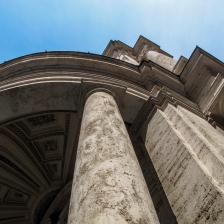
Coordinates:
[187,153]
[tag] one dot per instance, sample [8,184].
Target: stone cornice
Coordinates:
[73,62]
[159,98]
[198,59]
[137,48]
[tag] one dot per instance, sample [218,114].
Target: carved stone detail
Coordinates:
[41,120]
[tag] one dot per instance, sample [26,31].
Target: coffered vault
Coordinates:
[173,112]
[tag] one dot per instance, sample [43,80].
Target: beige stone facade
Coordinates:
[132,136]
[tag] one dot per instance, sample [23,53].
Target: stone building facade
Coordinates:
[130,137]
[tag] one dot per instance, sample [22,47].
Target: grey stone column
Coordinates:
[108,185]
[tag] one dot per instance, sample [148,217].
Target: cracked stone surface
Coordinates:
[108,185]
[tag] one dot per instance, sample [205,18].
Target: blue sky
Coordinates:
[29,26]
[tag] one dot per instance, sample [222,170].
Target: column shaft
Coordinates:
[108,185]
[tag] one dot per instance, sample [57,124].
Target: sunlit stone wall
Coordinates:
[188,155]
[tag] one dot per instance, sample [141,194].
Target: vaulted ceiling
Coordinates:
[36,162]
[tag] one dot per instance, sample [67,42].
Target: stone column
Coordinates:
[108,185]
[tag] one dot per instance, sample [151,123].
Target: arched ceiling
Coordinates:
[36,160]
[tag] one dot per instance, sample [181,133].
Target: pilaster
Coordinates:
[187,153]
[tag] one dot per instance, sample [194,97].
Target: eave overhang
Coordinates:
[198,59]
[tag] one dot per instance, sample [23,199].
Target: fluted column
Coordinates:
[108,186]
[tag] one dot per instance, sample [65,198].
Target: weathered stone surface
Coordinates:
[108,185]
[188,153]
[161,59]
[122,55]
